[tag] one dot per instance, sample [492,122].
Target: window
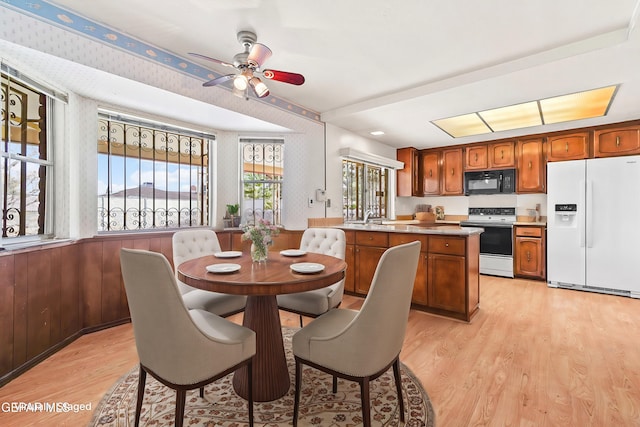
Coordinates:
[364,188]
[25,165]
[150,176]
[262,177]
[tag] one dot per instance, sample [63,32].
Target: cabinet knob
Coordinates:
[502,154]
[566,147]
[430,173]
[446,245]
[476,157]
[530,164]
[528,256]
[452,172]
[617,141]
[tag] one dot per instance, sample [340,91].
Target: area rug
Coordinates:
[222,407]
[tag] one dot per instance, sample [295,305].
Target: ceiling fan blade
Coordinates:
[258,55]
[217,61]
[219,80]
[284,76]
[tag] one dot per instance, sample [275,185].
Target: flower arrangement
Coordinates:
[260,234]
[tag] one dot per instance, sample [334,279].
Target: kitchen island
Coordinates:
[447,281]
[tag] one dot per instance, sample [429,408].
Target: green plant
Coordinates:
[233,209]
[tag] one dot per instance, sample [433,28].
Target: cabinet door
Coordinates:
[476,158]
[617,142]
[531,167]
[420,294]
[350,277]
[502,155]
[452,172]
[408,178]
[529,257]
[367,258]
[568,147]
[446,282]
[431,172]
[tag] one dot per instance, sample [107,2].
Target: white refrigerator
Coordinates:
[593,225]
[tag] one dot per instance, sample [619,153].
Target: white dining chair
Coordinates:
[362,345]
[326,241]
[190,244]
[183,349]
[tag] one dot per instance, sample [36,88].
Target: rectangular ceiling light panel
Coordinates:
[512,117]
[466,125]
[577,106]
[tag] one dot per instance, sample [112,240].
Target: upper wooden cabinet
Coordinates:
[574,146]
[476,158]
[531,170]
[499,155]
[452,174]
[409,180]
[616,141]
[502,155]
[430,172]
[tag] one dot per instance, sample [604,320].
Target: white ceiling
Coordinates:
[395,66]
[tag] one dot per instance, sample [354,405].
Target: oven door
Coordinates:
[497,239]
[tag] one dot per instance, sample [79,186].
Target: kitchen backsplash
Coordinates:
[459,205]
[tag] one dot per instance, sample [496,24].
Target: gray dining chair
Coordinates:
[183,349]
[326,241]
[190,244]
[362,345]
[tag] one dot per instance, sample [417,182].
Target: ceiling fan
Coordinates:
[249,63]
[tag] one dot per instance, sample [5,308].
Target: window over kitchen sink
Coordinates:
[364,189]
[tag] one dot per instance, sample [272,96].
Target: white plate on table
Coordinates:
[223,268]
[228,254]
[292,252]
[307,267]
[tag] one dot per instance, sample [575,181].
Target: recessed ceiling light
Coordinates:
[564,108]
[377,133]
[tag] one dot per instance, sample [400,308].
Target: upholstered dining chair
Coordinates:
[183,349]
[326,241]
[190,244]
[362,345]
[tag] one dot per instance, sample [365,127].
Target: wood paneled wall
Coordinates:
[52,294]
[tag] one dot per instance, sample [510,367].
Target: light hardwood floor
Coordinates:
[533,356]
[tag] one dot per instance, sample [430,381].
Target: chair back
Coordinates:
[377,332]
[326,241]
[190,244]
[167,340]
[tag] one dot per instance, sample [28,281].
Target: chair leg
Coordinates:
[202,392]
[296,401]
[181,396]
[301,324]
[397,375]
[334,387]
[142,379]
[366,402]
[250,374]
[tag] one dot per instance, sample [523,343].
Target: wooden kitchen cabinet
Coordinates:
[529,252]
[452,173]
[531,171]
[369,247]
[476,158]
[420,295]
[430,172]
[446,274]
[408,179]
[573,146]
[350,259]
[620,141]
[502,155]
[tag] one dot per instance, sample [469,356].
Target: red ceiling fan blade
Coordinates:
[258,55]
[284,76]
[219,80]
[217,61]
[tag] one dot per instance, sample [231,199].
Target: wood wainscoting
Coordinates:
[54,293]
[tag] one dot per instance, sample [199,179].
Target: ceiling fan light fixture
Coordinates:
[240,82]
[259,87]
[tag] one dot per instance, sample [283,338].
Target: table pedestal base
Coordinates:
[270,373]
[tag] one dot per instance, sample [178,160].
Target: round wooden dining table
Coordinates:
[261,282]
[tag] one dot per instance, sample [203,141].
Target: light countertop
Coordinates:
[451,230]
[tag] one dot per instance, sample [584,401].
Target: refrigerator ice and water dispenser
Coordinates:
[566,214]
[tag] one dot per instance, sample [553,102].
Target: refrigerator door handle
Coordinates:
[581,213]
[589,214]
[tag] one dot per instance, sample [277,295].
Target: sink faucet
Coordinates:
[367,214]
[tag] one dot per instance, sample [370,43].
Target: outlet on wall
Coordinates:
[310,202]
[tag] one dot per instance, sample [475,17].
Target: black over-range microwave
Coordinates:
[490,182]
